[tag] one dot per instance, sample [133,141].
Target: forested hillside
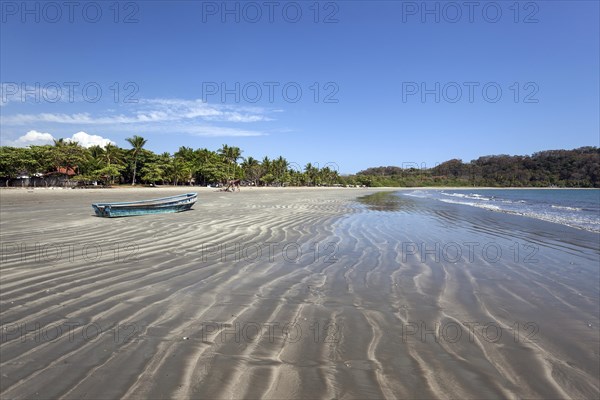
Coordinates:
[569,168]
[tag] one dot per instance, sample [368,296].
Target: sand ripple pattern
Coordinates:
[185,306]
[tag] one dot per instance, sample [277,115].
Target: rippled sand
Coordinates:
[293,293]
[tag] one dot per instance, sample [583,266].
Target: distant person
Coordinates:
[233,184]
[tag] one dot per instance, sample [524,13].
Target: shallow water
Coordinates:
[433,270]
[572,207]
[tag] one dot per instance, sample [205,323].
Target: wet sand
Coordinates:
[293,293]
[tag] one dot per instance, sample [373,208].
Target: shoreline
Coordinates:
[204,188]
[128,193]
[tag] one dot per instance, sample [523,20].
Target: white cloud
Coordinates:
[35,138]
[87,140]
[149,110]
[32,138]
[158,115]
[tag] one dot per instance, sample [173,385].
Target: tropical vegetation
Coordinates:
[110,165]
[563,168]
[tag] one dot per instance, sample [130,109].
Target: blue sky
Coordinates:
[162,68]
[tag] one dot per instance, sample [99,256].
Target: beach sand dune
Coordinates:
[292,293]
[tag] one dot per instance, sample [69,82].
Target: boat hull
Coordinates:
[164,205]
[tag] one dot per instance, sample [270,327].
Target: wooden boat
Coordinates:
[182,202]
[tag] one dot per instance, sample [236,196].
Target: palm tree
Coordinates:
[185,153]
[280,167]
[234,156]
[231,155]
[309,172]
[252,169]
[137,142]
[185,164]
[112,154]
[108,163]
[165,162]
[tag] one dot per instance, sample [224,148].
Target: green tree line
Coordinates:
[111,165]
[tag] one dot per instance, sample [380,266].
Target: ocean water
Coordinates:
[571,207]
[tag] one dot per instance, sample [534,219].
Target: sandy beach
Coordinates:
[285,293]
